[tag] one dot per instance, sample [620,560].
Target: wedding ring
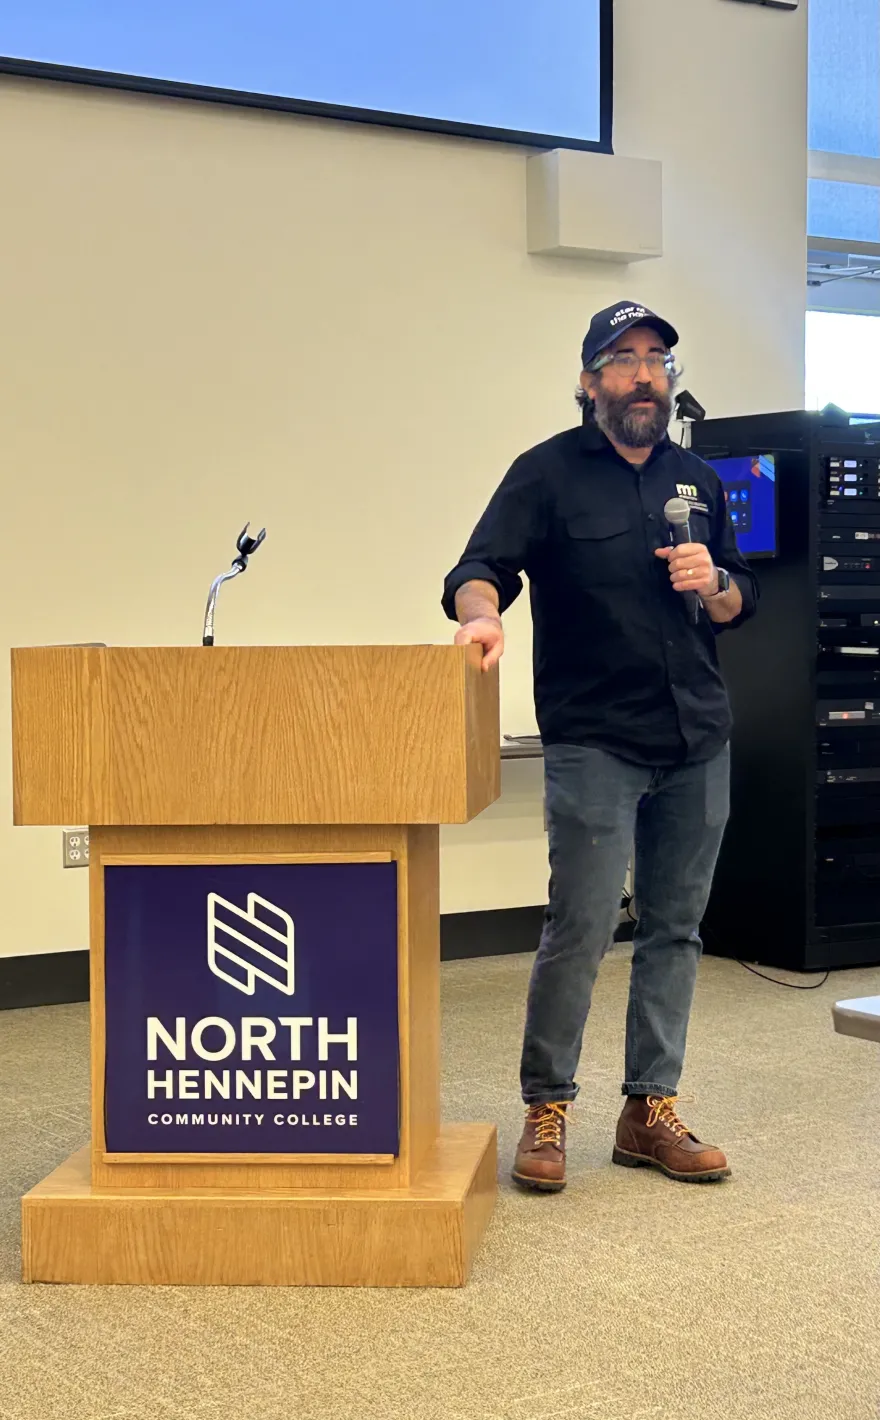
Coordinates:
[690,571]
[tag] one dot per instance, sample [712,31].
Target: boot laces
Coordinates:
[549,1122]
[662,1111]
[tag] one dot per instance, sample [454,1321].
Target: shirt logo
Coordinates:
[259,944]
[686,490]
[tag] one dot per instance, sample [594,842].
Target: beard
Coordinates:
[633,428]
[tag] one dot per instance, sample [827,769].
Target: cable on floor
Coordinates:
[629,905]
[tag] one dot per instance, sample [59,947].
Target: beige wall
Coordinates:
[212,314]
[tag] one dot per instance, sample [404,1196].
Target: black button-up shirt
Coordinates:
[617,662]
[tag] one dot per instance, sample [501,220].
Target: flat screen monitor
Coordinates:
[750,490]
[518,71]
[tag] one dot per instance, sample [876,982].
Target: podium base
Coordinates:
[423,1236]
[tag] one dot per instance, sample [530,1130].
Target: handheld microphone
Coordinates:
[677,514]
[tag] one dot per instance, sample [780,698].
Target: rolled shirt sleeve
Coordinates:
[503,543]
[726,554]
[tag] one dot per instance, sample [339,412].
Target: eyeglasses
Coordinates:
[628,363]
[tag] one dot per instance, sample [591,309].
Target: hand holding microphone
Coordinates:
[691,569]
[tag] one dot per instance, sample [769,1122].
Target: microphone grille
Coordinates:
[676,512]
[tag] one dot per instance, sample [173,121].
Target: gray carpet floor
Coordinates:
[628,1297]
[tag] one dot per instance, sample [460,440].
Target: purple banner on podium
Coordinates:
[251,1008]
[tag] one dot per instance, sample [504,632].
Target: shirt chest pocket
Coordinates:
[597,547]
[701,529]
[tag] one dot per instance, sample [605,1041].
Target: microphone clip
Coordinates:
[246,546]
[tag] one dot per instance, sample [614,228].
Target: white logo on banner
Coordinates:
[246,946]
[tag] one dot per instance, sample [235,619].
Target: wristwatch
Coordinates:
[723,583]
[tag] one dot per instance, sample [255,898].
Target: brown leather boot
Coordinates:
[540,1157]
[650,1134]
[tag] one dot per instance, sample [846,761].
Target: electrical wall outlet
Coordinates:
[75,847]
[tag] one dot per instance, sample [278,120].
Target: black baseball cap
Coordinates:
[607,325]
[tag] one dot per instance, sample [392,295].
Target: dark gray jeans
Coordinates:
[597,807]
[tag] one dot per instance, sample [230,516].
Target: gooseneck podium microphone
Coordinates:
[246,546]
[677,514]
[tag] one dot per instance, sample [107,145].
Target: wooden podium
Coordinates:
[226,760]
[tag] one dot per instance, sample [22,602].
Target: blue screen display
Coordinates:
[750,489]
[516,66]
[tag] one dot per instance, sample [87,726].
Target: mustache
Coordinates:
[638,396]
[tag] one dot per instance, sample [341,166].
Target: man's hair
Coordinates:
[583,400]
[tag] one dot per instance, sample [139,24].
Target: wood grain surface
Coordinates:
[248,735]
[421,1236]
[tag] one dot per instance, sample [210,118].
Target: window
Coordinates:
[843,362]
[844,121]
[847,211]
[845,77]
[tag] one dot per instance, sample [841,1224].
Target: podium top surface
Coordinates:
[253,735]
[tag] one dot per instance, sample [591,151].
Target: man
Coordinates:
[634,720]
